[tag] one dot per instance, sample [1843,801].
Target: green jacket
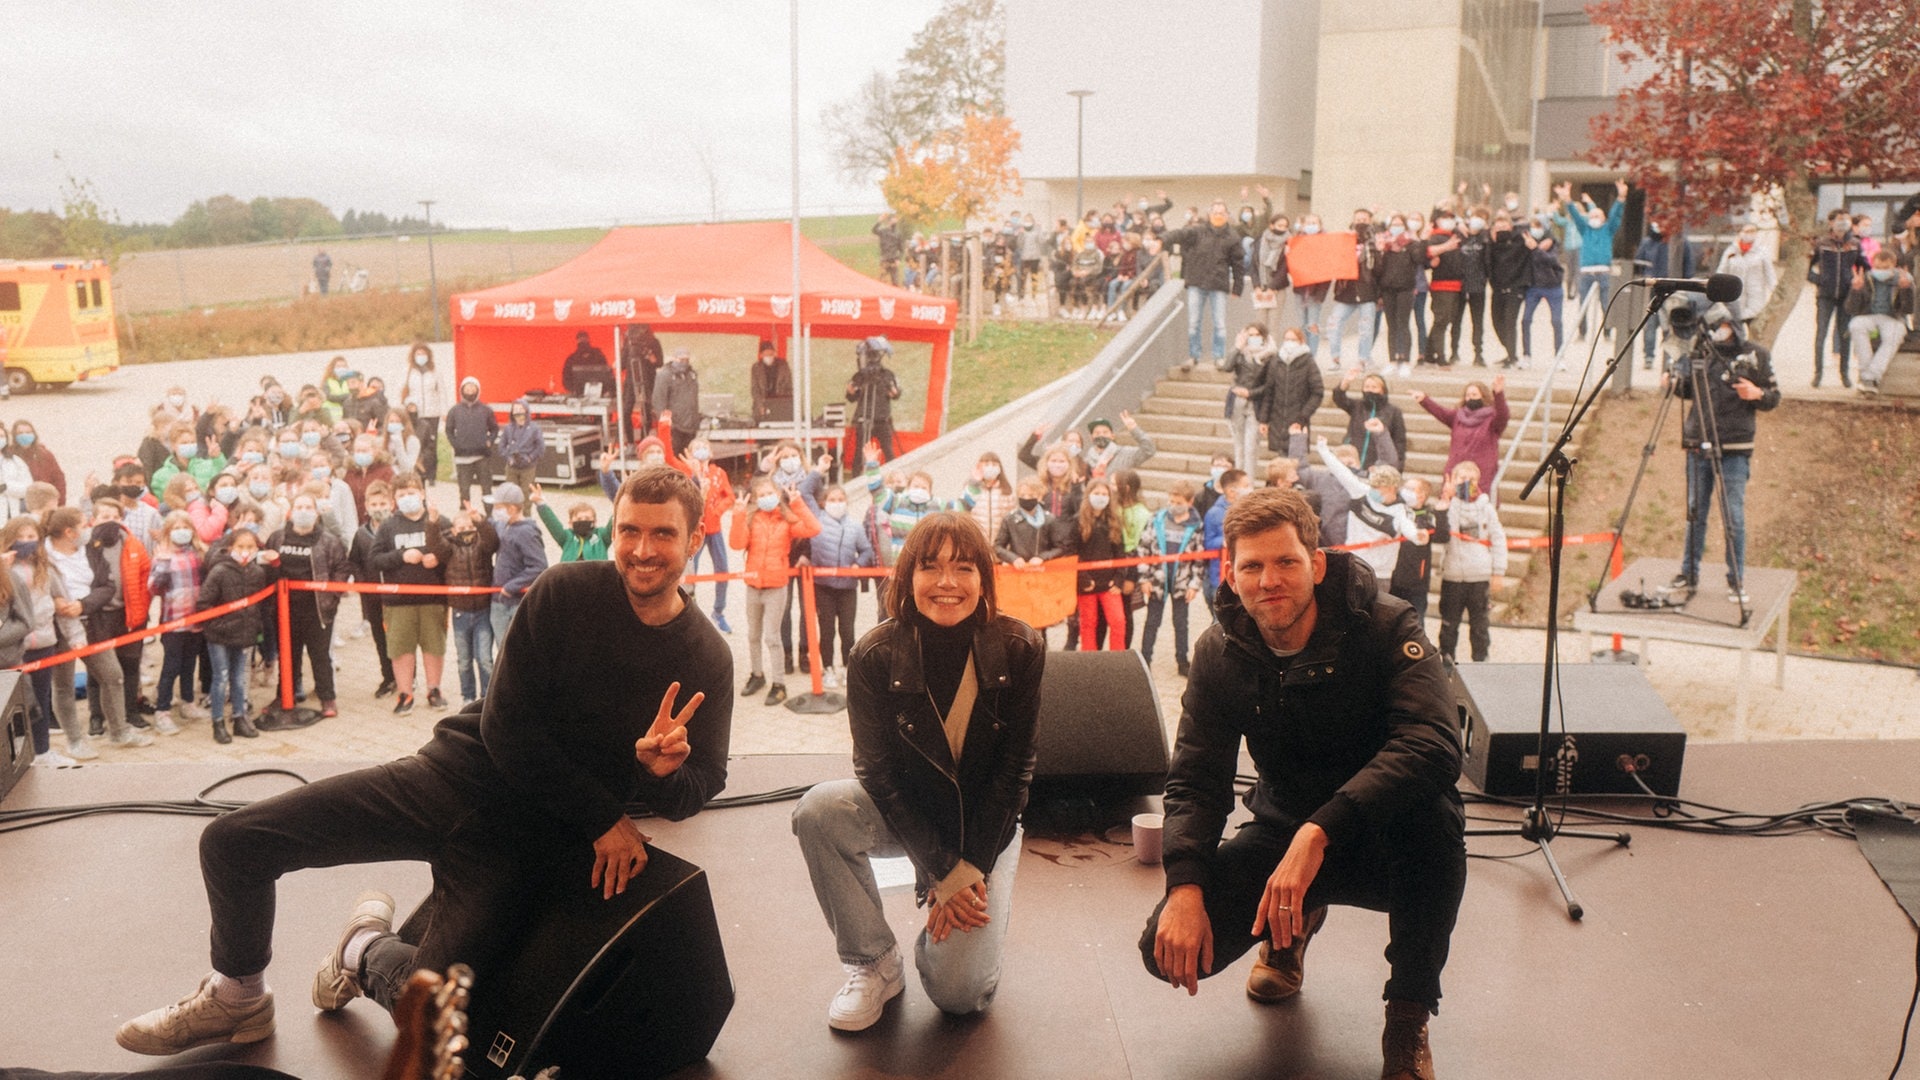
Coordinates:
[203,469]
[573,548]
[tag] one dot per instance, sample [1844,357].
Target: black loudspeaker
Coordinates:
[635,986]
[1612,714]
[17,707]
[1101,736]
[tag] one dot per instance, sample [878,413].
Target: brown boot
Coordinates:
[1404,1043]
[1277,973]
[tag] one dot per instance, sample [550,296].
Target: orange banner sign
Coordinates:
[1322,257]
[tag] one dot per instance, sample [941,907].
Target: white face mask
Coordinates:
[918,495]
[1310,228]
[835,509]
[1097,501]
[990,472]
[1512,205]
[768,502]
[701,453]
[303,519]
[1724,333]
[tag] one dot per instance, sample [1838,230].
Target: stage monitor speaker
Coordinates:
[636,986]
[1612,713]
[1101,735]
[17,707]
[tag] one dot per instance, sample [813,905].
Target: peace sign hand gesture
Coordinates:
[663,749]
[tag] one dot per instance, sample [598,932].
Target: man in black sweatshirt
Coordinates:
[586,715]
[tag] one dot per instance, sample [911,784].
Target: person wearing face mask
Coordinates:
[473,544]
[1835,256]
[522,442]
[716,488]
[764,530]
[1270,257]
[842,543]
[233,573]
[522,555]
[1597,228]
[403,444]
[1210,261]
[182,496]
[771,386]
[582,538]
[1358,297]
[1244,398]
[337,513]
[1289,392]
[1878,303]
[1175,529]
[366,403]
[1509,272]
[1311,298]
[586,366]
[1371,418]
[1375,512]
[988,495]
[676,394]
[1660,256]
[1096,535]
[1471,553]
[1753,265]
[1105,456]
[423,396]
[42,589]
[367,464]
[1028,535]
[411,548]
[473,431]
[303,550]
[116,602]
[1561,211]
[1545,274]
[190,456]
[1475,265]
[1475,426]
[1401,255]
[263,498]
[1725,387]
[360,558]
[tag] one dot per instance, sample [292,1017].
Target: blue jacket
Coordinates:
[522,444]
[1214,533]
[522,556]
[1596,244]
[841,542]
[1167,537]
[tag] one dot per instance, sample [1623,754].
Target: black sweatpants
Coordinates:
[1396,307]
[427,430]
[835,609]
[1469,597]
[1476,305]
[1446,321]
[1414,869]
[491,862]
[370,610]
[1506,320]
[313,638]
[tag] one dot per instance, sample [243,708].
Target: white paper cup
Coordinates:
[1146,837]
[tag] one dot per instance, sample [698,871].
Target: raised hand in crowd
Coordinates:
[536,496]
[1499,384]
[1418,396]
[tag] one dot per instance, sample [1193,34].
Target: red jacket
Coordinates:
[765,535]
[715,487]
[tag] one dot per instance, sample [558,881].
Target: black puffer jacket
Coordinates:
[942,815]
[1733,418]
[1209,256]
[1354,731]
[225,582]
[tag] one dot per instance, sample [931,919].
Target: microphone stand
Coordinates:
[1556,467]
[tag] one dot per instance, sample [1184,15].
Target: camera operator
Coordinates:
[1727,380]
[872,391]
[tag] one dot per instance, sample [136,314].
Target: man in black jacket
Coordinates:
[1349,718]
[472,431]
[872,391]
[1728,381]
[530,787]
[586,366]
[1210,260]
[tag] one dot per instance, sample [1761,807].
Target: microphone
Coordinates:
[1720,288]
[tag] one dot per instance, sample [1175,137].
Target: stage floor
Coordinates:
[1699,956]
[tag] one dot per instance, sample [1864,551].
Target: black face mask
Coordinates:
[133,491]
[470,396]
[462,538]
[1029,505]
[583,529]
[24,549]
[1472,403]
[1464,490]
[1375,398]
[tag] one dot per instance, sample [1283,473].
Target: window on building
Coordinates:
[9,296]
[96,292]
[80,294]
[1493,124]
[1581,63]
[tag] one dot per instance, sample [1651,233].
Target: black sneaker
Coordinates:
[755,684]
[786,663]
[403,706]
[434,700]
[776,693]
[386,687]
[1182,668]
[138,721]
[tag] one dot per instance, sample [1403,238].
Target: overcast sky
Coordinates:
[516,114]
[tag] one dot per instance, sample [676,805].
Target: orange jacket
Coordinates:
[714,485]
[765,535]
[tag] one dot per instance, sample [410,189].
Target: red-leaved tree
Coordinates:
[1749,96]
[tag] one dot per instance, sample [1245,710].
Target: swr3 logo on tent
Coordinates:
[561,308]
[666,305]
[468,307]
[782,306]
[886,307]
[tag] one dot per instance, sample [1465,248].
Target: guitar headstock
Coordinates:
[432,1017]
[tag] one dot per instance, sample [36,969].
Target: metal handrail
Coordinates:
[1139,277]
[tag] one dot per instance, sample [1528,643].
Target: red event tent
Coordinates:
[701,279]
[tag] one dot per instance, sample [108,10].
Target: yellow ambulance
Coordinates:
[56,323]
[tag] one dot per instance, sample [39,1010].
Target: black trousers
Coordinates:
[1156,608]
[427,428]
[1447,307]
[1476,305]
[1415,594]
[490,864]
[880,431]
[1506,320]
[1414,868]
[312,637]
[1470,598]
[1396,306]
[835,609]
[370,610]
[468,475]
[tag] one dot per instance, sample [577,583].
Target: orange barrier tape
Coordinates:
[132,636]
[388,589]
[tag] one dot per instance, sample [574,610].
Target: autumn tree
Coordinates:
[1745,97]
[956,65]
[958,173]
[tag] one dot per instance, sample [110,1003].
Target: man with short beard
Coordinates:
[1349,719]
[586,715]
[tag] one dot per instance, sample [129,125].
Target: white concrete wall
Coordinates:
[1289,60]
[1389,74]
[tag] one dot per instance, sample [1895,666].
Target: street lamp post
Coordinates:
[1079,153]
[433,279]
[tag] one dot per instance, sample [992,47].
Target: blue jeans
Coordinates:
[1734,468]
[1589,281]
[1551,294]
[1197,299]
[1338,325]
[178,651]
[473,648]
[1310,317]
[714,545]
[838,827]
[229,696]
[1828,312]
[500,615]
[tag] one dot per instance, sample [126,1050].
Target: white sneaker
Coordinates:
[860,1003]
[198,1019]
[81,749]
[163,723]
[829,681]
[189,711]
[333,984]
[131,737]
[53,759]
